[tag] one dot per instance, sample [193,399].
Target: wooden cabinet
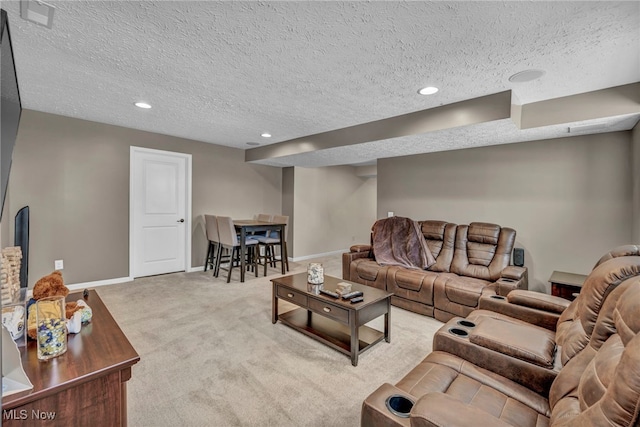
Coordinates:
[566,285]
[84,386]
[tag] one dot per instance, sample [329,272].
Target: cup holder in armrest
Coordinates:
[459,332]
[507,279]
[497,297]
[399,405]
[466,323]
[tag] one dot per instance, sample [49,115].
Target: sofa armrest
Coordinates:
[538,300]
[511,278]
[375,411]
[526,306]
[515,272]
[348,257]
[439,409]
[360,248]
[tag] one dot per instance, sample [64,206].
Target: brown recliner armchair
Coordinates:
[530,354]
[481,258]
[599,386]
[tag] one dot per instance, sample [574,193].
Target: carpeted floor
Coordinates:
[210,355]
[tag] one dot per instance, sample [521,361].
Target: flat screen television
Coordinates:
[10,107]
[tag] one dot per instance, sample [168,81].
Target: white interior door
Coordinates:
[160,211]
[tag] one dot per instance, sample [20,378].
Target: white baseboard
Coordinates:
[302,258]
[79,286]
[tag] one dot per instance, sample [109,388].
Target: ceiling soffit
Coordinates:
[616,108]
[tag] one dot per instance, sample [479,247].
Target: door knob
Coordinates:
[181,220]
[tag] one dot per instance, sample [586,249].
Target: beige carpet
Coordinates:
[210,355]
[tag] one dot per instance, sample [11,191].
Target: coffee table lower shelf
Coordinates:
[330,332]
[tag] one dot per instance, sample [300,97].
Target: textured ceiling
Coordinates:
[225,72]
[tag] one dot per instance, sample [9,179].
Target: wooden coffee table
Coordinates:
[334,322]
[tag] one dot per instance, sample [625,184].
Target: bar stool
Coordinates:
[265,218]
[229,240]
[271,240]
[211,229]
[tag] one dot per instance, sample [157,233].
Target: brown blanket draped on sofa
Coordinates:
[399,241]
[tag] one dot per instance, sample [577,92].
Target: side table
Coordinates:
[566,285]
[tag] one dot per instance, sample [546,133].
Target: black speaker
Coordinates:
[518,257]
[21,238]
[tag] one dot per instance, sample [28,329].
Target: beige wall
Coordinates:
[4,224]
[635,150]
[288,186]
[334,208]
[568,199]
[74,175]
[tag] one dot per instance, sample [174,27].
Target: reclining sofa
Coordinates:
[510,346]
[471,261]
[597,383]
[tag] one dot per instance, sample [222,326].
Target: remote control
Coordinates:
[329,293]
[352,294]
[356,299]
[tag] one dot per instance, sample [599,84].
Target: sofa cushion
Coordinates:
[440,237]
[504,399]
[482,232]
[368,269]
[413,280]
[482,242]
[464,290]
[533,345]
[482,250]
[413,285]
[367,272]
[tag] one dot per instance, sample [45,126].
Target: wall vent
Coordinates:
[37,11]
[588,128]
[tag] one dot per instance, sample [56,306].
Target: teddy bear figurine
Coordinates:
[52,285]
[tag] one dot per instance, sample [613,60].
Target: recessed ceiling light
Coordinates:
[142,105]
[253,143]
[266,135]
[429,90]
[526,76]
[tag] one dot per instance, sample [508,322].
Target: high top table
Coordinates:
[246,226]
[85,386]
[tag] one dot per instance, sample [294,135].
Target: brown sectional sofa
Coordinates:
[471,261]
[492,376]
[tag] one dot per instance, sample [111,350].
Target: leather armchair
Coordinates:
[532,355]
[599,386]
